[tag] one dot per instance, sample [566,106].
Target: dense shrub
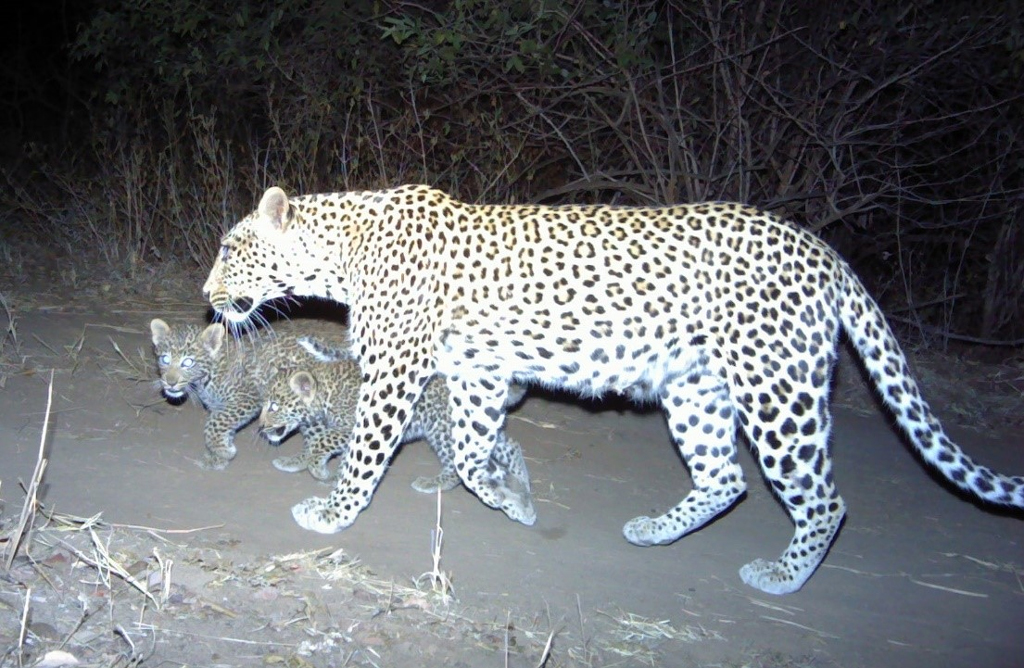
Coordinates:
[893,129]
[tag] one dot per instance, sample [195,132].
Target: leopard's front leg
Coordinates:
[222,424]
[320,444]
[384,409]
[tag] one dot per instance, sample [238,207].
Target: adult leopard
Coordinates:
[725,314]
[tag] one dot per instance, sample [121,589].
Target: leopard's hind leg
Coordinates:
[701,419]
[795,459]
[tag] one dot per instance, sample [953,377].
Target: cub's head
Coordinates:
[284,248]
[287,405]
[186,356]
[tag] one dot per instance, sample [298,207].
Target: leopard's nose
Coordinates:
[207,288]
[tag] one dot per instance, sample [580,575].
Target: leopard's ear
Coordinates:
[159,329]
[275,210]
[303,385]
[212,338]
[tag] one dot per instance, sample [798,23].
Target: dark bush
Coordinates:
[893,129]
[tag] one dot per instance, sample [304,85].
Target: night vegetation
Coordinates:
[141,128]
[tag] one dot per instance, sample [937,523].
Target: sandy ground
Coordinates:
[917,576]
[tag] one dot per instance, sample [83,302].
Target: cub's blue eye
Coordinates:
[187,363]
[164,359]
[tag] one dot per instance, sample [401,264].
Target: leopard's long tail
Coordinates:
[887,366]
[325,351]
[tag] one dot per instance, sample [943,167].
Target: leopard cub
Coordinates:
[227,376]
[320,400]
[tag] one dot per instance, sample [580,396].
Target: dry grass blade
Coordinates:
[440,582]
[637,637]
[29,507]
[583,631]
[804,627]
[10,335]
[140,367]
[67,522]
[335,565]
[135,370]
[24,620]
[951,590]
[546,654]
[637,629]
[56,353]
[164,566]
[1010,568]
[74,350]
[106,566]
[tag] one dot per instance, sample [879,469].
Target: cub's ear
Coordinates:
[159,329]
[275,210]
[303,385]
[212,338]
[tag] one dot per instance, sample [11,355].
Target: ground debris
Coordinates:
[84,592]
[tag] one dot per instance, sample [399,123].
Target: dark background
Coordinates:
[135,131]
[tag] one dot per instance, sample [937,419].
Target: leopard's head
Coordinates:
[287,405]
[282,249]
[185,355]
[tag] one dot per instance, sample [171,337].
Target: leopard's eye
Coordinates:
[273,407]
[164,359]
[187,362]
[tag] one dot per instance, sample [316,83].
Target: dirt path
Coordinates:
[917,577]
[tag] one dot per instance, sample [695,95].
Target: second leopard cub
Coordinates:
[320,399]
[229,377]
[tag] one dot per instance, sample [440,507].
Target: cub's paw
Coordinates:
[290,464]
[318,469]
[430,485]
[212,462]
[315,514]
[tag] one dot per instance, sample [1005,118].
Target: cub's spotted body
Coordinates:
[320,399]
[724,314]
[229,377]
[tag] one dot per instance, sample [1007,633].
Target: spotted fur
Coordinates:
[724,314]
[320,399]
[229,377]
